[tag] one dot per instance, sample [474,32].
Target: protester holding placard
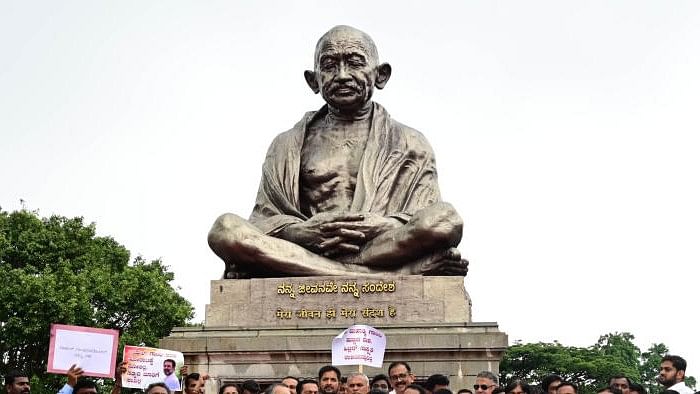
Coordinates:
[76,384]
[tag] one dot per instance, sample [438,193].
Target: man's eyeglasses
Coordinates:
[483,386]
[401,376]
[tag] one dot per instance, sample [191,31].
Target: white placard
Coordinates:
[359,345]
[92,349]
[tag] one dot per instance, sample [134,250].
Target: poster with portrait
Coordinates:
[92,349]
[146,365]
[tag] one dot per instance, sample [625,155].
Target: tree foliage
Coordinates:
[591,368]
[56,270]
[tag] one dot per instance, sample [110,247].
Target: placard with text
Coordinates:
[92,349]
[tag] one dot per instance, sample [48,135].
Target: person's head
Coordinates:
[307,386]
[17,383]
[415,389]
[342,388]
[672,370]
[636,388]
[277,388]
[168,367]
[609,390]
[485,383]
[400,376]
[517,387]
[442,391]
[250,387]
[229,388]
[159,387]
[291,383]
[620,382]
[380,382]
[194,384]
[549,384]
[347,69]
[357,383]
[436,382]
[85,386]
[465,391]
[567,388]
[329,379]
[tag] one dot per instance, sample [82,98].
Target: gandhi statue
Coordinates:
[348,190]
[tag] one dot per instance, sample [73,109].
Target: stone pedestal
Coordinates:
[265,329]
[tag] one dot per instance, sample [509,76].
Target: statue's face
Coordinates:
[346,71]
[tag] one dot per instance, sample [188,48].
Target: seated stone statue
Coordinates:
[348,190]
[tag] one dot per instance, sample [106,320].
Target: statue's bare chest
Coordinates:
[330,161]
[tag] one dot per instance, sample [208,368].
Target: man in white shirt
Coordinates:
[672,374]
[171,379]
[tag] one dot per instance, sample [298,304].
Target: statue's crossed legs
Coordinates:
[425,245]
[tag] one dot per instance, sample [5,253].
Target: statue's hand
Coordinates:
[371,225]
[310,234]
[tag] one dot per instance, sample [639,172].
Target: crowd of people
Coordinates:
[400,380]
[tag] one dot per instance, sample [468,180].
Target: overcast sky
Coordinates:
[566,135]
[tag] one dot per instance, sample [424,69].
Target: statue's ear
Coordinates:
[383,74]
[311,80]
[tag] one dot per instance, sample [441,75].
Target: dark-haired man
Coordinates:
[329,379]
[194,384]
[567,388]
[672,374]
[75,384]
[170,378]
[636,388]
[17,383]
[307,386]
[437,382]
[620,382]
[400,376]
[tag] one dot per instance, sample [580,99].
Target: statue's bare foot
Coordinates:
[445,263]
[235,271]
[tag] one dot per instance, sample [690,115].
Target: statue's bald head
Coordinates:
[347,35]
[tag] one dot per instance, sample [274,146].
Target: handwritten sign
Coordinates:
[146,365]
[359,345]
[92,349]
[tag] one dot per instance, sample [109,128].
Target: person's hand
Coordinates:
[370,226]
[118,372]
[310,234]
[74,372]
[183,370]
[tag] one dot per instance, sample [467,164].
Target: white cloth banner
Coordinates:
[359,345]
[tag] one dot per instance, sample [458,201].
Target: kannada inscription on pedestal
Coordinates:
[337,301]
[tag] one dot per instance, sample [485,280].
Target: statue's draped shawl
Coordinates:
[397,175]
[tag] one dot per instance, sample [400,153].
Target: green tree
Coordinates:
[591,367]
[56,270]
[587,367]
